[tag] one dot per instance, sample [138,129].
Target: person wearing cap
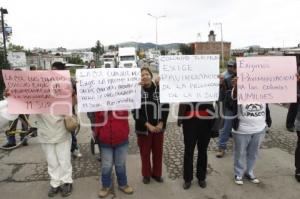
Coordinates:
[226,130]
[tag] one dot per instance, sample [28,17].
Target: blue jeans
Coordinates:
[114,156]
[245,152]
[225,132]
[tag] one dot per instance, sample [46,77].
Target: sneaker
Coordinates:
[186,185]
[158,179]
[104,192]
[252,179]
[66,189]
[220,153]
[297,176]
[238,180]
[9,145]
[202,183]
[146,180]
[76,153]
[25,142]
[126,189]
[53,191]
[291,129]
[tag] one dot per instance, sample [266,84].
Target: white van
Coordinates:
[127,57]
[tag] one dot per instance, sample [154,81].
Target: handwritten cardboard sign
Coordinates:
[34,92]
[267,79]
[189,78]
[104,89]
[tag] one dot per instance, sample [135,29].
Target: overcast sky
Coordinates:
[79,23]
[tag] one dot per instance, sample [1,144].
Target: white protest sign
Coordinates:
[269,79]
[189,78]
[104,89]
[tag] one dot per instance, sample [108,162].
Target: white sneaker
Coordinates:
[76,153]
[252,179]
[238,180]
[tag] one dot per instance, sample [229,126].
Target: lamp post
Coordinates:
[156,19]
[3,12]
[222,47]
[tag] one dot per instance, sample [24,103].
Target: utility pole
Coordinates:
[4,11]
[156,19]
[222,47]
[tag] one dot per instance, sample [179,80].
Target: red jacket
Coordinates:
[112,127]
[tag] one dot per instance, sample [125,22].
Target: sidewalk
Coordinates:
[23,172]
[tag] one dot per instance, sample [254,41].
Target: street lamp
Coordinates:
[156,19]
[222,48]
[3,12]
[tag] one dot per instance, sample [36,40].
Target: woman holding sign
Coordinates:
[150,124]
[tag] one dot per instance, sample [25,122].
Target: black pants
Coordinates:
[195,131]
[297,154]
[292,113]
[74,145]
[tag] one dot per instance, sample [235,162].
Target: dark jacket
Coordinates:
[112,127]
[151,110]
[184,108]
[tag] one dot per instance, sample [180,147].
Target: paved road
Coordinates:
[23,172]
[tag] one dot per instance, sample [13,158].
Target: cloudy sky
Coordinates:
[79,23]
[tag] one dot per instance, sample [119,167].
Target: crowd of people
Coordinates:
[196,120]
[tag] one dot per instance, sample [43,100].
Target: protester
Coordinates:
[228,115]
[92,64]
[56,144]
[293,109]
[196,119]
[75,150]
[297,127]
[112,132]
[11,139]
[91,115]
[150,124]
[250,128]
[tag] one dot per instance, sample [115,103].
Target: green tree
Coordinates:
[251,50]
[163,52]
[112,48]
[186,49]
[76,60]
[98,50]
[15,48]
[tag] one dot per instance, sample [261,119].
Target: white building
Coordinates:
[17,59]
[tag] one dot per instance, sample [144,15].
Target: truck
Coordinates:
[109,60]
[127,57]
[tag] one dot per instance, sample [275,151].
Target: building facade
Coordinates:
[212,47]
